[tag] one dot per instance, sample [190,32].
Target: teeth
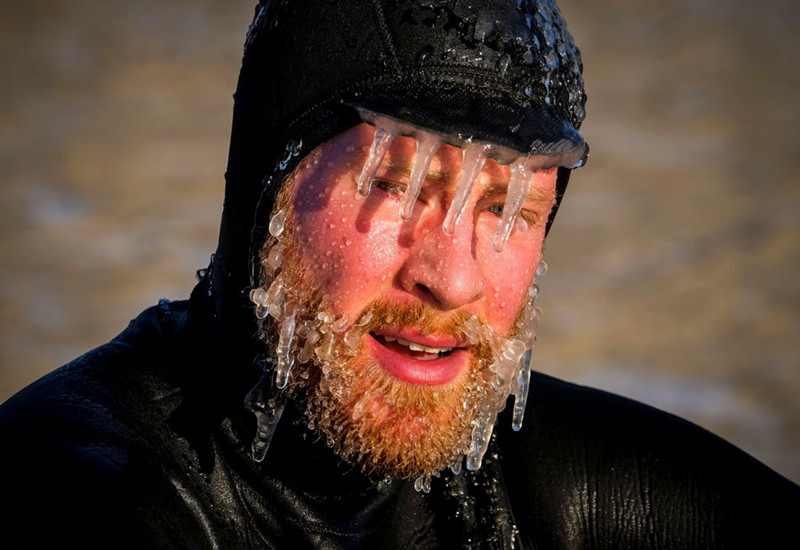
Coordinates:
[413,346]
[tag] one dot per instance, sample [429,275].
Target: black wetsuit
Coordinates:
[144,443]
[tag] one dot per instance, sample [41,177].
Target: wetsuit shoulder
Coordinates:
[80,454]
[593,469]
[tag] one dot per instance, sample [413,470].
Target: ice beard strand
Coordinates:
[369,418]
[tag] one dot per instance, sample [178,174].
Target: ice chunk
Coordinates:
[385,132]
[423,484]
[340,324]
[427,146]
[457,463]
[521,390]
[277,223]
[482,427]
[284,352]
[275,256]
[519,186]
[352,339]
[267,406]
[473,158]
[258,296]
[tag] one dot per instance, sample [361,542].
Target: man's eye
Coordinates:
[530,217]
[389,187]
[496,209]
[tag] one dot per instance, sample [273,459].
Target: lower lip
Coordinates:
[431,373]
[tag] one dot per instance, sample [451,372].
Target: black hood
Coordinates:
[505,72]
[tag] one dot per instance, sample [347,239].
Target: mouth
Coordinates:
[417,358]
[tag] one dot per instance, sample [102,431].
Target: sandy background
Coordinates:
[675,260]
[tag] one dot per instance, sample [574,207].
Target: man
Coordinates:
[339,377]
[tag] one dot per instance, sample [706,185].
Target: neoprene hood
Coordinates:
[503,72]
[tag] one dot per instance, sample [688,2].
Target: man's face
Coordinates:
[412,381]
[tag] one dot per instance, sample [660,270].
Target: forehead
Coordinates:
[349,150]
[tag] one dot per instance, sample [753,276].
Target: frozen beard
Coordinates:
[382,423]
[372,419]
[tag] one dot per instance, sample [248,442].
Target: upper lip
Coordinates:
[424,342]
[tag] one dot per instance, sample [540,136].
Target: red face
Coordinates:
[414,374]
[359,250]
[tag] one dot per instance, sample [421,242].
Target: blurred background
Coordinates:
[674,262]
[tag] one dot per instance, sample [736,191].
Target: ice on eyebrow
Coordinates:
[474,155]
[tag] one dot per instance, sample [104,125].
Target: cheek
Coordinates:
[350,265]
[508,277]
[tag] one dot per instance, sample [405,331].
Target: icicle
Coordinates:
[325,350]
[284,352]
[473,157]
[508,361]
[456,465]
[267,405]
[481,433]
[385,132]
[521,391]
[519,186]
[305,354]
[427,146]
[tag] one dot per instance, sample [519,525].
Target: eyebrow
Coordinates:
[536,194]
[402,167]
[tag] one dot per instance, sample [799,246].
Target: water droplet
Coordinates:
[424,54]
[527,57]
[550,60]
[503,63]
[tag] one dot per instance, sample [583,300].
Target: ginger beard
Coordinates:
[379,422]
[371,419]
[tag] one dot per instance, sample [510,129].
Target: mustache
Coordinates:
[424,317]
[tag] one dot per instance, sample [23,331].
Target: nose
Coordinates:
[443,270]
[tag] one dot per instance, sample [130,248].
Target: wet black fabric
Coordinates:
[143,443]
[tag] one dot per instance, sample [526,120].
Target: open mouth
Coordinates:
[412,349]
[430,361]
